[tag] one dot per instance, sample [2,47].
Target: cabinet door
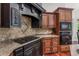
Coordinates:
[54,49]
[55,41]
[47,45]
[44,21]
[28,52]
[19,51]
[65,54]
[47,50]
[37,49]
[47,42]
[62,15]
[68,14]
[51,21]
[65,48]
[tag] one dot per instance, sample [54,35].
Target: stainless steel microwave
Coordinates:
[65,26]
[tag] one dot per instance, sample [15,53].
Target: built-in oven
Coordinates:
[65,38]
[65,26]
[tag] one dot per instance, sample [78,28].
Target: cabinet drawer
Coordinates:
[55,41]
[54,49]
[47,43]
[28,53]
[19,49]
[47,50]
[65,54]
[20,54]
[65,48]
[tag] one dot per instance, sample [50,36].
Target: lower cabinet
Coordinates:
[50,45]
[31,49]
[28,52]
[18,51]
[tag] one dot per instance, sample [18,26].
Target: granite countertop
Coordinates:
[46,35]
[7,48]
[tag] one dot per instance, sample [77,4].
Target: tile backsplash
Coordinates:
[25,30]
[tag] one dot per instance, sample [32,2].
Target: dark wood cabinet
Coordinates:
[28,51]
[31,49]
[48,20]
[19,51]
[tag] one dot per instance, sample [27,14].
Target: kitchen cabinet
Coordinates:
[64,24]
[62,15]
[65,48]
[37,50]
[65,54]
[65,14]
[31,49]
[44,21]
[19,51]
[49,46]
[68,14]
[48,20]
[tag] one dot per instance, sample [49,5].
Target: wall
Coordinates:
[50,7]
[25,30]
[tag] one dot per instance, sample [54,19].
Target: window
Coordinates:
[15,19]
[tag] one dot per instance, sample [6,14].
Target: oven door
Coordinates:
[65,38]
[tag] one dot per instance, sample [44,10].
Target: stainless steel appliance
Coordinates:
[65,38]
[65,26]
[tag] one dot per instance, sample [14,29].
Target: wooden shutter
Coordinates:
[5,15]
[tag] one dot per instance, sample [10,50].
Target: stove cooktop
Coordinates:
[25,39]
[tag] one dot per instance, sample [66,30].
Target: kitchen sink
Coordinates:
[25,39]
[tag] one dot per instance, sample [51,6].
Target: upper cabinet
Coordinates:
[48,20]
[68,15]
[65,14]
[44,21]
